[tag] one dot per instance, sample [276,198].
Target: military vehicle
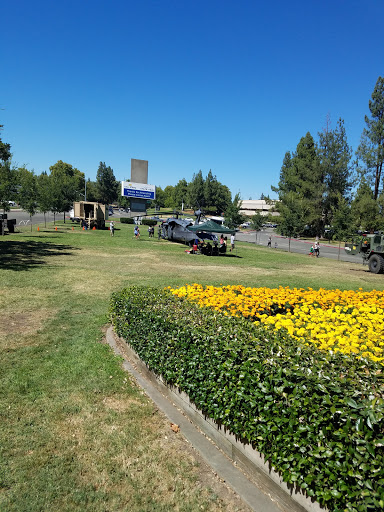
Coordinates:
[91,213]
[6,224]
[371,248]
[176,230]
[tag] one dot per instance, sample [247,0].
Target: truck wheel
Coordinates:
[376,264]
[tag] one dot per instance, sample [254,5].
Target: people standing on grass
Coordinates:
[112,228]
[137,232]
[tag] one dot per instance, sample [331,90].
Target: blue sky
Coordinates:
[227,86]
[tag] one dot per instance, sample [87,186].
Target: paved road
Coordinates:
[23,219]
[300,246]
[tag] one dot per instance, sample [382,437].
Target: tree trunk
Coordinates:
[338,256]
[289,244]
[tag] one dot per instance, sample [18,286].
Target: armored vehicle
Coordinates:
[371,248]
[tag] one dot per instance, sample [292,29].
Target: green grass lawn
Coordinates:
[76,433]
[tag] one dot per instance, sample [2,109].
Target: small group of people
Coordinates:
[151,231]
[315,249]
[269,244]
[205,247]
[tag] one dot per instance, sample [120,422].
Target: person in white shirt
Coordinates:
[232,242]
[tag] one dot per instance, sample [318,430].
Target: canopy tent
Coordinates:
[210,226]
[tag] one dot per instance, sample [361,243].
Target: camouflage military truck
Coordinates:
[371,248]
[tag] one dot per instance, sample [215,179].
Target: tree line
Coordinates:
[326,188]
[57,190]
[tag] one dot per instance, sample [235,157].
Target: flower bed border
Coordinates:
[291,498]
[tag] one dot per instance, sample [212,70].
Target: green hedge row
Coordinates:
[316,416]
[127,220]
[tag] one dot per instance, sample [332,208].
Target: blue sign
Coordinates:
[138,190]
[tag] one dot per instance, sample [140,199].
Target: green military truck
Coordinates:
[371,248]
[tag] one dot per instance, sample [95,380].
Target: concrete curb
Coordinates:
[263,490]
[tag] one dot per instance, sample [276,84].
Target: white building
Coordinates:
[252,206]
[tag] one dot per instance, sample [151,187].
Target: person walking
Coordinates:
[269,241]
[317,249]
[112,228]
[137,232]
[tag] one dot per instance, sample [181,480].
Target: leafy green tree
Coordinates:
[371,149]
[107,186]
[7,184]
[286,177]
[5,149]
[160,198]
[301,178]
[181,193]
[294,212]
[222,198]
[7,176]
[196,191]
[364,208]
[257,222]
[232,217]
[44,194]
[67,184]
[342,220]
[335,157]
[27,192]
[91,190]
[210,184]
[170,197]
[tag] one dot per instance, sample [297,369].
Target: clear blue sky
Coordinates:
[187,85]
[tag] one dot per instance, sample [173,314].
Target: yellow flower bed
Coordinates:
[351,322]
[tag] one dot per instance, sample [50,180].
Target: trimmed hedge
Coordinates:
[316,416]
[149,222]
[127,220]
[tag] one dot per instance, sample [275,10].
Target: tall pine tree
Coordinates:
[370,152]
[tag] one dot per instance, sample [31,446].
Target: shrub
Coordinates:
[149,222]
[127,220]
[316,416]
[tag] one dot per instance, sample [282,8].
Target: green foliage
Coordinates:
[364,207]
[301,185]
[106,184]
[371,149]
[27,192]
[5,150]
[342,224]
[257,221]
[196,191]
[232,217]
[66,183]
[335,157]
[316,416]
[8,180]
[127,220]
[149,222]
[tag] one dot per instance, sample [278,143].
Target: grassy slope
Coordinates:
[76,433]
